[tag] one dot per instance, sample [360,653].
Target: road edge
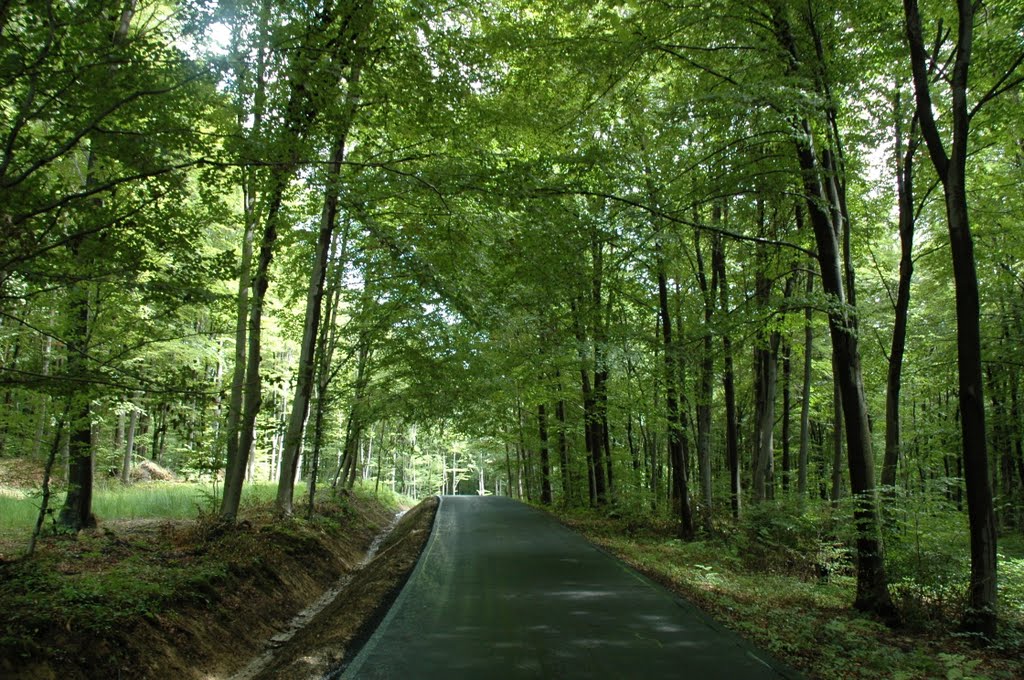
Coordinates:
[348,671]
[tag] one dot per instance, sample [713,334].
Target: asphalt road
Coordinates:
[504,591]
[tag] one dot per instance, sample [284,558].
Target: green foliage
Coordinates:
[792,539]
[805,622]
[927,554]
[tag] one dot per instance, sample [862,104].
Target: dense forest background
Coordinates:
[705,260]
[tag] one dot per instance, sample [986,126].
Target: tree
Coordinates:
[950,162]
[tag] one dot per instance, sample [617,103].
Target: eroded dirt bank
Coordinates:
[335,635]
[201,600]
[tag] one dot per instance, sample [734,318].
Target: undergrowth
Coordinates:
[784,578]
[79,594]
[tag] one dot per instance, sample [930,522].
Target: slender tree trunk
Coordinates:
[563,451]
[326,344]
[44,501]
[981,613]
[787,411]
[805,399]
[76,514]
[253,394]
[705,384]
[872,582]
[236,458]
[837,443]
[591,421]
[545,464]
[732,448]
[673,412]
[314,298]
[894,378]
[310,333]
[129,447]
[508,470]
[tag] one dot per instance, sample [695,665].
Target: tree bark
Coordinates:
[732,448]
[545,463]
[673,412]
[76,513]
[236,458]
[591,421]
[872,583]
[837,441]
[894,377]
[129,446]
[706,380]
[805,399]
[766,371]
[563,445]
[981,614]
[314,297]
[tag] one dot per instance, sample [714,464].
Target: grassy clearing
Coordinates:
[151,500]
[767,590]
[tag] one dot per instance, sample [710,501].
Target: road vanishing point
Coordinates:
[503,591]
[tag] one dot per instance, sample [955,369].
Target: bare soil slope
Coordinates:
[198,599]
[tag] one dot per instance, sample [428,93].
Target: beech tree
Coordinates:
[949,157]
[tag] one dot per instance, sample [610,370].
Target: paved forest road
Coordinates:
[504,591]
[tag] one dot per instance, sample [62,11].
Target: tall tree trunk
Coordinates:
[326,345]
[76,512]
[837,443]
[236,458]
[545,463]
[705,383]
[299,115]
[603,478]
[310,333]
[732,447]
[981,613]
[129,447]
[787,412]
[563,444]
[894,378]
[591,420]
[673,411]
[51,457]
[872,583]
[805,399]
[253,394]
[314,297]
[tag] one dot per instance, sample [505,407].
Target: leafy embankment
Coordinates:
[183,599]
[789,590]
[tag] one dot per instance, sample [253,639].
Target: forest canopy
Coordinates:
[677,259]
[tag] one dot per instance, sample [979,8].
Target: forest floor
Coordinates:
[800,615]
[201,599]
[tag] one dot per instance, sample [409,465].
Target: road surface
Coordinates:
[503,591]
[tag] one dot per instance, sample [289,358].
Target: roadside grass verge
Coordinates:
[794,600]
[19,508]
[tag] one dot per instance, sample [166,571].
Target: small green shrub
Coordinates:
[781,538]
[928,561]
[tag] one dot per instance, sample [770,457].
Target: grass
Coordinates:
[149,500]
[754,577]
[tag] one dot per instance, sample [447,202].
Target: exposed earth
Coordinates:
[200,599]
